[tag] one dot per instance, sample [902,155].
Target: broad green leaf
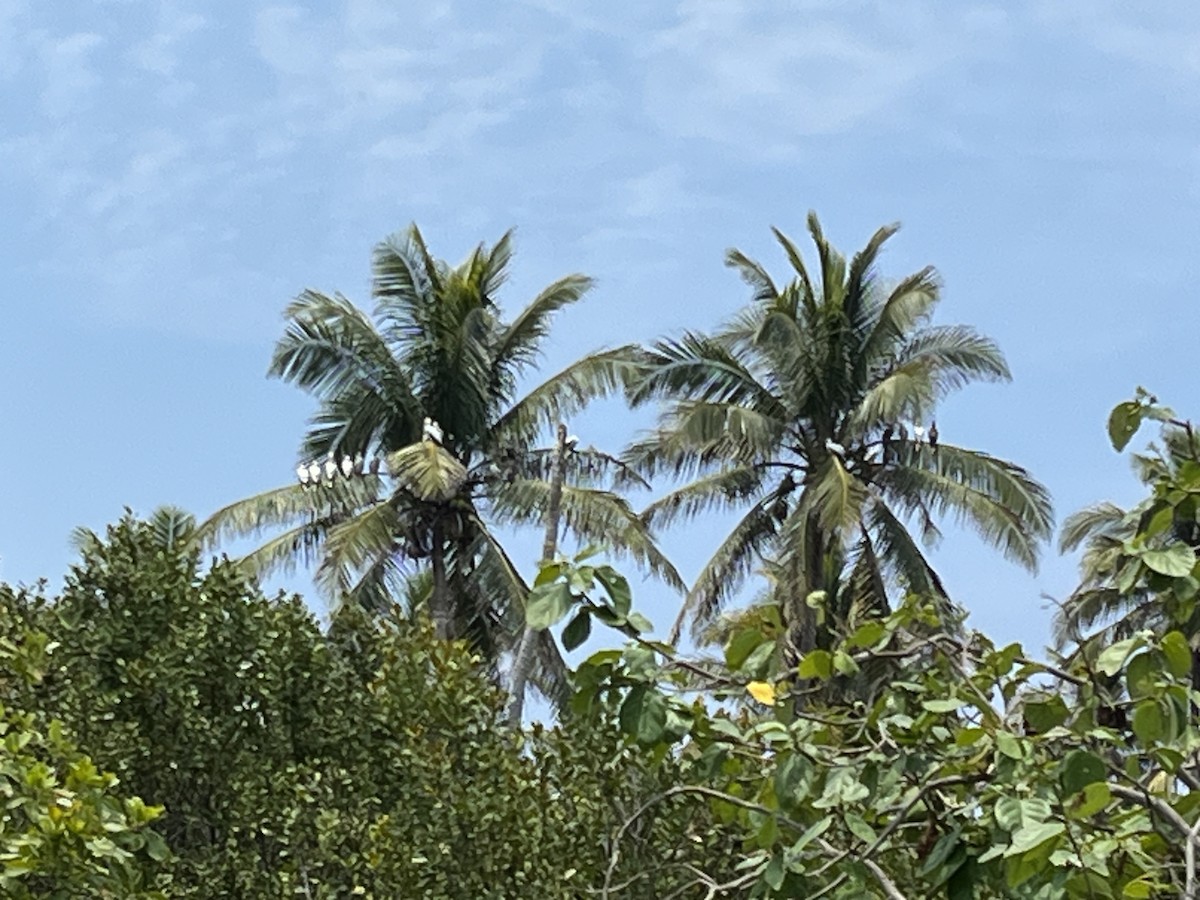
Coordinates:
[811,833]
[1123,423]
[1179,655]
[774,873]
[858,827]
[1008,812]
[1009,745]
[741,645]
[602,658]
[547,605]
[867,635]
[1157,519]
[1079,769]
[943,706]
[577,630]
[844,663]
[640,622]
[941,851]
[1033,835]
[816,664]
[1128,575]
[1141,675]
[1095,797]
[548,572]
[1148,723]
[789,777]
[1174,561]
[1113,658]
[1138,890]
[644,715]
[617,587]
[1043,715]
[758,662]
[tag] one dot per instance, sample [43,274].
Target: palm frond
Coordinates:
[807,294]
[957,355]
[865,591]
[355,421]
[904,560]
[1117,615]
[288,506]
[563,395]
[172,527]
[1000,500]
[836,496]
[833,265]
[520,341]
[864,260]
[586,467]
[907,307]
[358,545]
[1099,520]
[390,583]
[727,569]
[405,280]
[489,269]
[427,471]
[720,492]
[753,274]
[701,368]
[595,517]
[331,347]
[286,550]
[907,393]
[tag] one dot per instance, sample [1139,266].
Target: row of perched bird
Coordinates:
[891,433]
[347,467]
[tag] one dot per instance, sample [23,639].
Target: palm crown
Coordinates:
[806,412]
[430,386]
[1114,598]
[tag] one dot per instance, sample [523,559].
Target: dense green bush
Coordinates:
[369,759]
[64,829]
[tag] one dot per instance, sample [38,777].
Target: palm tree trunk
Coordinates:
[526,647]
[441,606]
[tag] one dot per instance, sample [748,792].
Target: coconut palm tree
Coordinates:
[807,413]
[1117,596]
[423,445]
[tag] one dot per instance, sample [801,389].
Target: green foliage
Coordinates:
[369,760]
[979,773]
[65,831]
[1139,566]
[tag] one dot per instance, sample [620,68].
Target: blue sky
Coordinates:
[173,172]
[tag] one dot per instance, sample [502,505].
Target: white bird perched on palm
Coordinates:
[431,431]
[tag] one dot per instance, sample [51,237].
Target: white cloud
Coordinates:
[160,52]
[762,75]
[406,73]
[1166,37]
[11,14]
[69,76]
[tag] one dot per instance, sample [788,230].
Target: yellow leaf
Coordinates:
[762,691]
